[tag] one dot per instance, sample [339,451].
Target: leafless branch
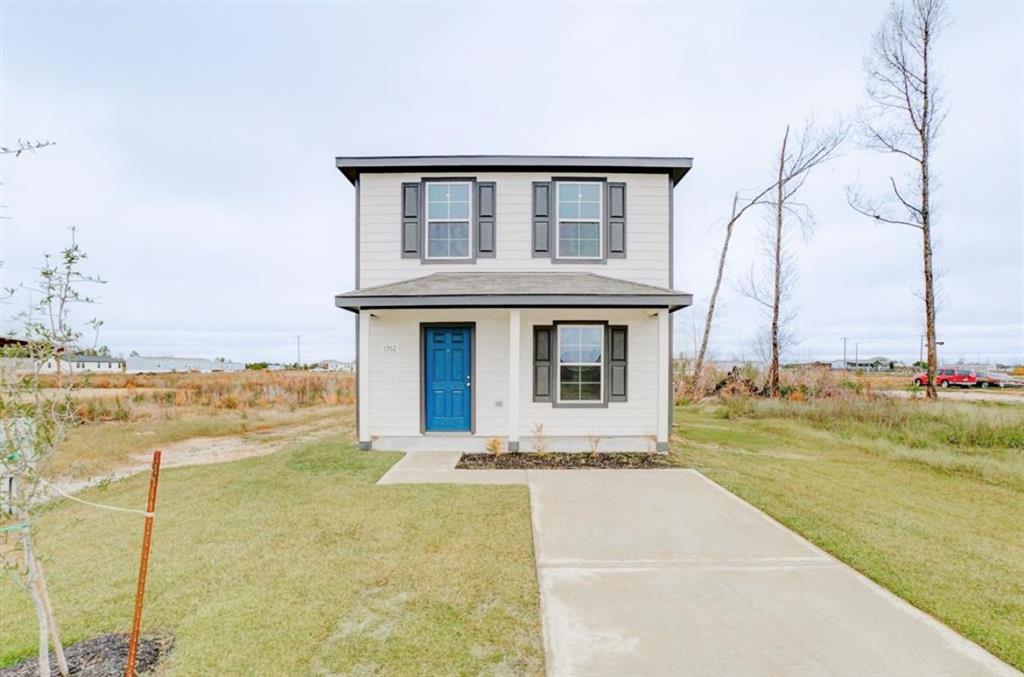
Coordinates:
[25,146]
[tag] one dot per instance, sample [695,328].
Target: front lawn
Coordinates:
[296,563]
[925,498]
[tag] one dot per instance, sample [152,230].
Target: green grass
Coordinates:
[898,493]
[296,563]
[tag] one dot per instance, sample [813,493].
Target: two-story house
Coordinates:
[525,298]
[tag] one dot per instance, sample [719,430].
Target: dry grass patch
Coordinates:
[98,448]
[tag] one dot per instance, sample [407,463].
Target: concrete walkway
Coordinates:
[663,572]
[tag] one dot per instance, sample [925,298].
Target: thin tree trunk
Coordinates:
[926,232]
[773,366]
[51,619]
[929,314]
[37,601]
[698,365]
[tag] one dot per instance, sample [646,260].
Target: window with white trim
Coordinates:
[447,224]
[580,362]
[578,213]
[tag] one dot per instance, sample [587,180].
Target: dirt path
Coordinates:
[1015,396]
[208,450]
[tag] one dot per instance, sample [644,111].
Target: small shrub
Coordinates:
[539,440]
[495,446]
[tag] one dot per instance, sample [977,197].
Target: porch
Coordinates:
[554,371]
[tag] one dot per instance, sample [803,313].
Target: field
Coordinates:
[124,415]
[294,562]
[925,498]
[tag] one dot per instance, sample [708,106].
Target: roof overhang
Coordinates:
[675,167]
[672,302]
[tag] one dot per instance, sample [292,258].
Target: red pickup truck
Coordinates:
[946,376]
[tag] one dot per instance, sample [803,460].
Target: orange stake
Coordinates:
[147,534]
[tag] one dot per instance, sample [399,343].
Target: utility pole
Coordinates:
[856,353]
[298,350]
[920,350]
[846,365]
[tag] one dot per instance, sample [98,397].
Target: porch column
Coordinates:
[664,382]
[513,379]
[363,351]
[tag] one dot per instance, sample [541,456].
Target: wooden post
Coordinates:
[147,534]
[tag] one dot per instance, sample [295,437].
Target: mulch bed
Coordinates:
[566,461]
[103,656]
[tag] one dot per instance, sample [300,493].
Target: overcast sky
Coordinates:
[195,146]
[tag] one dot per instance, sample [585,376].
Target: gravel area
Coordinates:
[530,461]
[103,656]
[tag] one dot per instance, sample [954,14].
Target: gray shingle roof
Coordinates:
[513,289]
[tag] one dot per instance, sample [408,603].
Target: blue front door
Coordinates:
[446,373]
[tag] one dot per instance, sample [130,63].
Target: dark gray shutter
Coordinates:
[412,206]
[543,365]
[618,350]
[616,220]
[542,219]
[485,217]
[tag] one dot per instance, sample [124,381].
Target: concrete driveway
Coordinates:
[663,572]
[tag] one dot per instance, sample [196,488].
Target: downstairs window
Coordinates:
[580,362]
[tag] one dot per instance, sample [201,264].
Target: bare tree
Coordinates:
[797,158]
[738,210]
[904,118]
[34,418]
[771,285]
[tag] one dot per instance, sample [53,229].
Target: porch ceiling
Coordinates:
[513,290]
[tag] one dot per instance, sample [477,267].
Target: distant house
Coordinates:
[75,363]
[869,364]
[165,364]
[337,365]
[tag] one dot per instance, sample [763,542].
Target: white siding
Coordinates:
[393,378]
[647,231]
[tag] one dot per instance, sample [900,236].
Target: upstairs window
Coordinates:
[580,362]
[448,210]
[578,213]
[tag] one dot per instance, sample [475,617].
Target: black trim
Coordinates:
[542,360]
[671,301]
[486,219]
[542,213]
[410,242]
[615,362]
[356,253]
[615,220]
[675,167]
